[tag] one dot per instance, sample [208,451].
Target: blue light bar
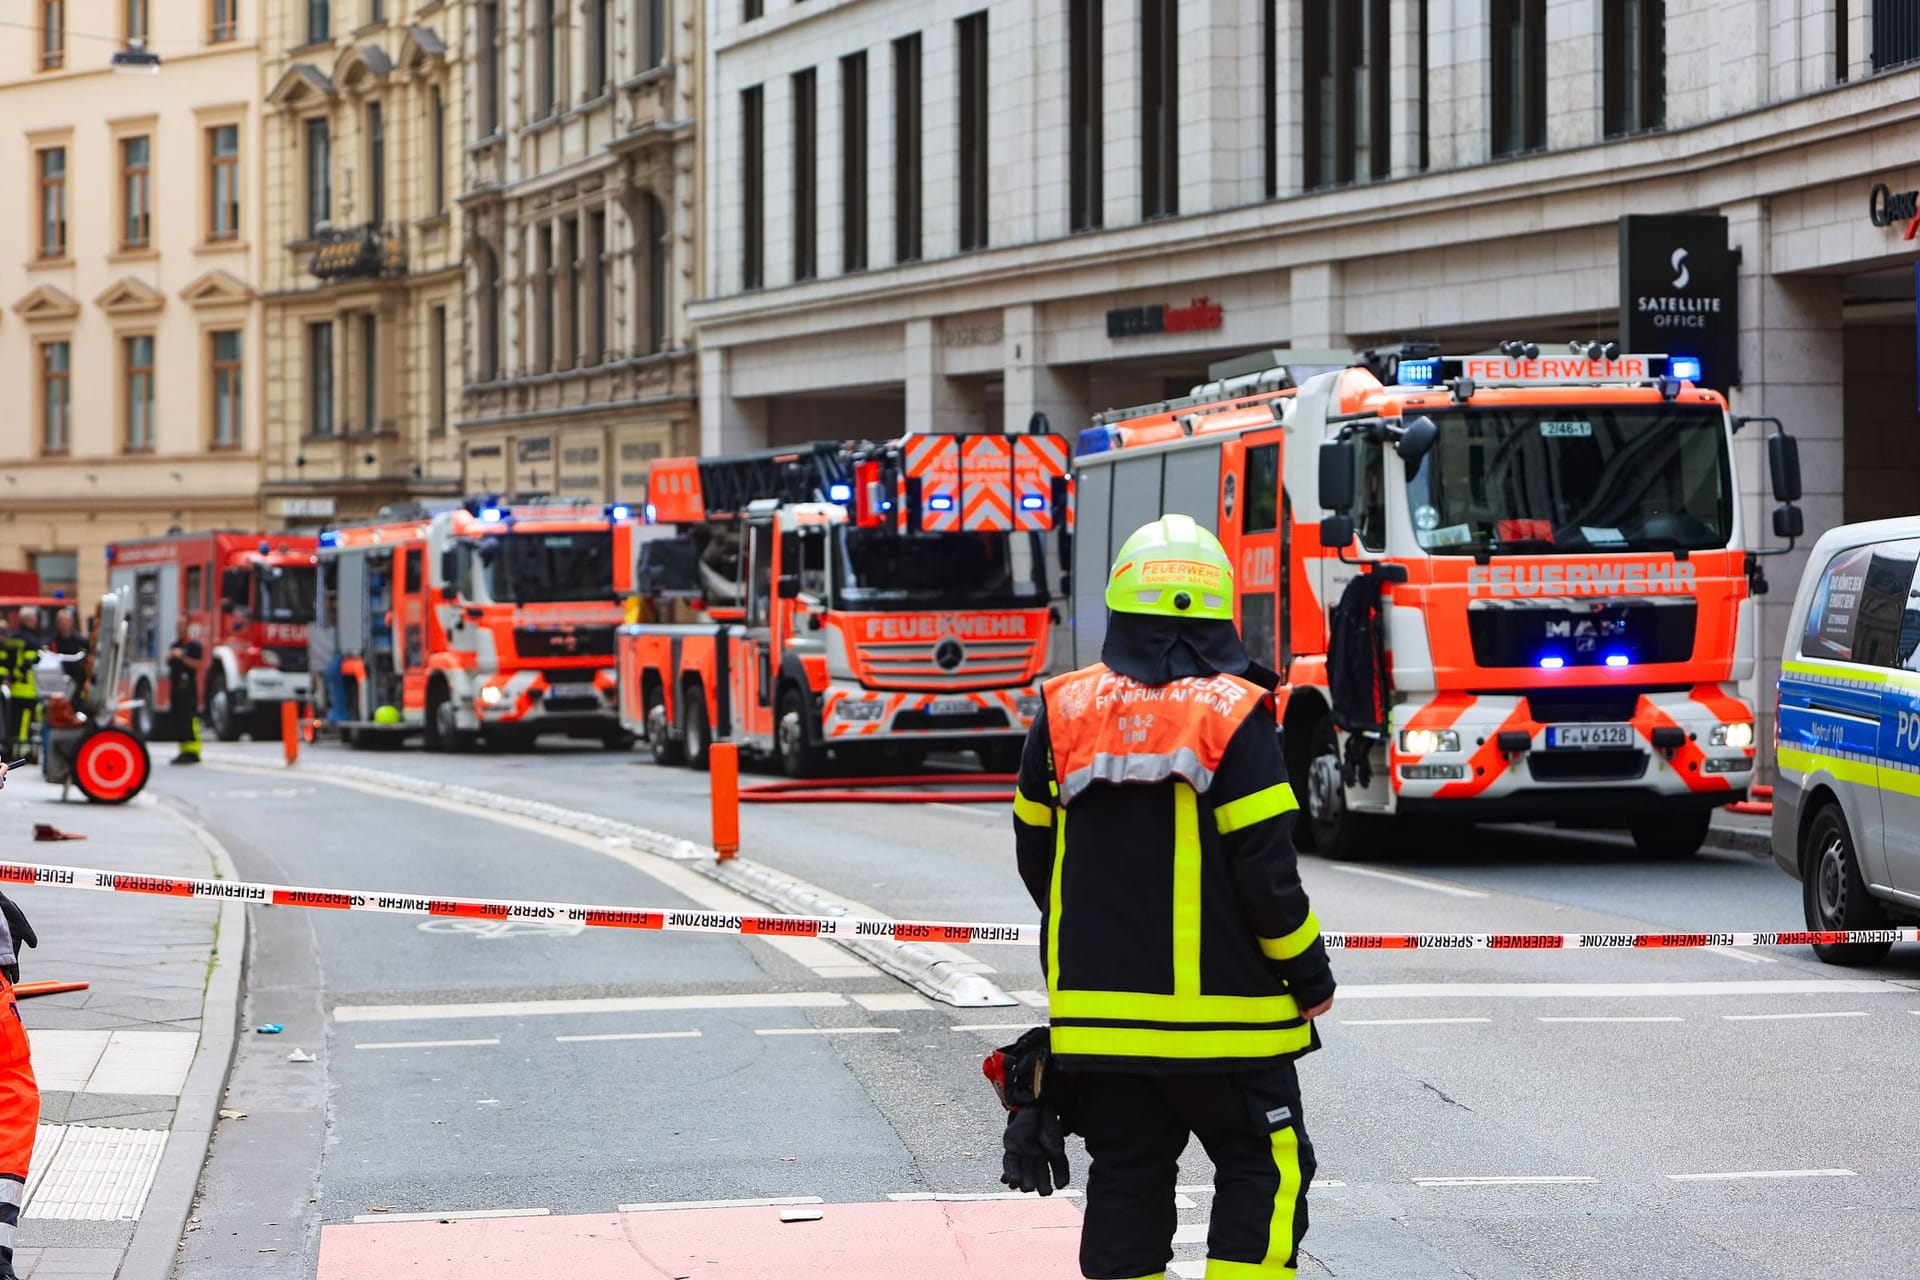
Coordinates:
[1619,660]
[940,502]
[619,511]
[1097,440]
[840,492]
[1685,368]
[1552,662]
[328,538]
[490,515]
[1032,502]
[652,514]
[1418,373]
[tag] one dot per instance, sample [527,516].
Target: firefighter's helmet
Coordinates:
[1172,568]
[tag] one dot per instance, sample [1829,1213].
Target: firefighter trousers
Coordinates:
[19,1118]
[1137,1125]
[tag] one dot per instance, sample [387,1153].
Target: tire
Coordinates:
[799,758]
[1000,756]
[111,766]
[1679,836]
[617,739]
[696,734]
[442,731]
[1338,832]
[667,750]
[143,723]
[1834,893]
[222,719]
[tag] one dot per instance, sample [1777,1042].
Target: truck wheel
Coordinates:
[617,739]
[221,716]
[1679,836]
[666,749]
[695,732]
[1002,755]
[442,731]
[799,758]
[1834,892]
[1338,832]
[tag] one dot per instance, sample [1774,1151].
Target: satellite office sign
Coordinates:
[1678,294]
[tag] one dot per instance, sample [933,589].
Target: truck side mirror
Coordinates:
[788,587]
[235,587]
[1416,439]
[450,565]
[1788,523]
[1336,531]
[1336,476]
[1783,460]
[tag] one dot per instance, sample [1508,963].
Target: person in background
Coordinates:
[323,656]
[17,656]
[27,626]
[19,1093]
[185,660]
[71,646]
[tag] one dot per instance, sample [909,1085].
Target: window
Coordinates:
[487,29]
[1841,54]
[53,34]
[575,265]
[1260,511]
[436,150]
[1270,97]
[53,202]
[1346,116]
[1896,33]
[56,397]
[1519,76]
[752,172]
[376,162]
[1159,109]
[226,389]
[319,21]
[544,285]
[437,340]
[973,131]
[806,174]
[369,371]
[137,389]
[549,38]
[599,46]
[751,9]
[1859,609]
[487,317]
[59,572]
[226,21]
[320,421]
[1370,512]
[650,28]
[602,262]
[136,195]
[657,232]
[853,162]
[1086,109]
[134,19]
[376,10]
[1634,35]
[906,149]
[223,182]
[319,175]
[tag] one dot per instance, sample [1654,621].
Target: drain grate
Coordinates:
[93,1173]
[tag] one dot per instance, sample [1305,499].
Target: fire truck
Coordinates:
[247,598]
[864,602]
[1558,604]
[488,620]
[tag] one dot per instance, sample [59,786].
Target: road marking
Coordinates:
[630,1035]
[427,1044]
[601,1004]
[1529,1181]
[997,815]
[1623,990]
[1785,1017]
[1206,1188]
[1033,999]
[457,1215]
[1191,1233]
[828,1031]
[765,1202]
[969,1197]
[1416,882]
[891,1002]
[1764,1173]
[1404,1022]
[1649,1018]
[992,1026]
[1737,953]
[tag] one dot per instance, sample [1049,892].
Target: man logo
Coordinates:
[1681,274]
[948,655]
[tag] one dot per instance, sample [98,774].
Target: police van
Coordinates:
[1846,807]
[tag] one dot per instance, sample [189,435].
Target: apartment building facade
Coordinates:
[582,213]
[131,334]
[363,239]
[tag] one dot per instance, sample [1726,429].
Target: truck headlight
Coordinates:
[1738,735]
[268,658]
[1422,742]
[490,694]
[1029,706]
[850,709]
[1433,772]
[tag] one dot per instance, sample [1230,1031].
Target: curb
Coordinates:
[908,962]
[1740,840]
[156,1240]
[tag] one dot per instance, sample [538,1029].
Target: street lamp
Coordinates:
[136,59]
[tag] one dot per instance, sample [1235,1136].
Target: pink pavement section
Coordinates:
[926,1240]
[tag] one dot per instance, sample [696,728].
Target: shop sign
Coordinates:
[308,507]
[1889,208]
[1139,322]
[1679,292]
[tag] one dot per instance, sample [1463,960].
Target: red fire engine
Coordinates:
[877,600]
[247,597]
[488,620]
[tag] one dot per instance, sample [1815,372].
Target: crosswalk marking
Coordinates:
[597,1004]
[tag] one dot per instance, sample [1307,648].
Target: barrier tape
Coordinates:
[677,920]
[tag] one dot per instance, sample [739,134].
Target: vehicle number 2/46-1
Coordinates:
[1590,735]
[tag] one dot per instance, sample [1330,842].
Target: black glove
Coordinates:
[1036,1158]
[20,930]
[1034,1091]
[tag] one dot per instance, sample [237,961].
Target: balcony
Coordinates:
[371,251]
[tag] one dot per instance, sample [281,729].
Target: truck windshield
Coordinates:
[286,592]
[524,568]
[1542,480]
[882,569]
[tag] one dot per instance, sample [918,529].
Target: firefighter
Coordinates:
[185,660]
[19,1095]
[1184,966]
[18,653]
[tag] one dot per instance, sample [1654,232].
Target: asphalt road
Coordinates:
[1480,1114]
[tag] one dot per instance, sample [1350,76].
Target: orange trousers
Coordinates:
[19,1118]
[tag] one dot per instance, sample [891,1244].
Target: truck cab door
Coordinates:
[1253,528]
[410,607]
[754,674]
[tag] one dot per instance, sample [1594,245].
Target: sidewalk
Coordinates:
[129,1085]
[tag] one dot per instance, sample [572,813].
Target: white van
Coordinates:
[1846,806]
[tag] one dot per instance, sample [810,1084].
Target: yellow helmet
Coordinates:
[386,715]
[1172,568]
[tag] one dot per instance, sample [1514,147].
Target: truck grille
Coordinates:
[944,664]
[1621,764]
[922,722]
[564,642]
[292,659]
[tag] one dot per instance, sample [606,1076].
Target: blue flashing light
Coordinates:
[1097,440]
[940,502]
[1032,502]
[1685,368]
[1619,660]
[330,537]
[1552,662]
[653,515]
[840,492]
[1418,373]
[619,511]
[266,549]
[490,515]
